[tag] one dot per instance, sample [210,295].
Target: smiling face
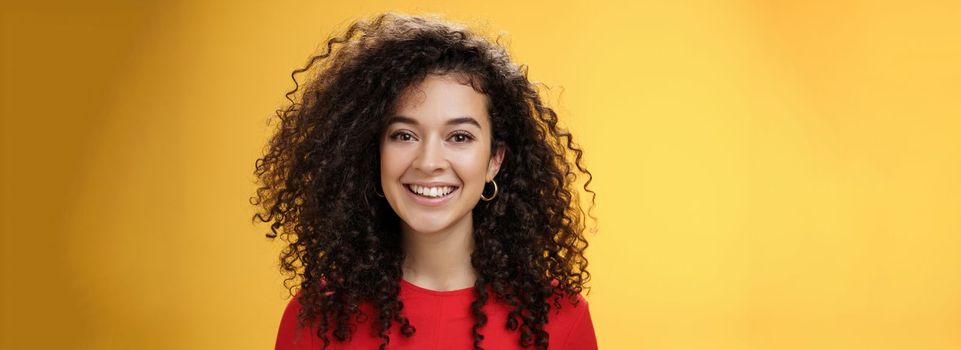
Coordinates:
[436,154]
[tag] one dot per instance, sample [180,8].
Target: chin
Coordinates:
[428,223]
[427,228]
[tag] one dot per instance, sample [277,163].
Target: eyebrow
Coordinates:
[412,121]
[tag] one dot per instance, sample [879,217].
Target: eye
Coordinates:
[462,137]
[402,136]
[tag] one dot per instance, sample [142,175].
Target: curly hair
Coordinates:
[320,167]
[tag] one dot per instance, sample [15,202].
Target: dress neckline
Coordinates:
[419,289]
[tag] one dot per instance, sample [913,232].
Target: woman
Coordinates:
[427,197]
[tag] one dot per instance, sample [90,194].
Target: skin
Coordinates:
[439,131]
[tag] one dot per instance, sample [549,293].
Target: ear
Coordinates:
[494,166]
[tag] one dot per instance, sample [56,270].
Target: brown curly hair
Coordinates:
[320,168]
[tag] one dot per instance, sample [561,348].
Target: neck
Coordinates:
[440,260]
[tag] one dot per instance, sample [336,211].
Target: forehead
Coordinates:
[439,98]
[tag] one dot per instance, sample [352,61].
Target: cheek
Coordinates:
[395,162]
[390,164]
[473,166]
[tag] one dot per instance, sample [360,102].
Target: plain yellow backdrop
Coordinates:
[770,174]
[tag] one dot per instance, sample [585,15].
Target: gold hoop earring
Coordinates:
[488,199]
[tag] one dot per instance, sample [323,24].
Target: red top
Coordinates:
[443,321]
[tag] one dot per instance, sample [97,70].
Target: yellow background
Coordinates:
[770,174]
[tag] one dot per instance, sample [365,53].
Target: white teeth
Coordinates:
[432,191]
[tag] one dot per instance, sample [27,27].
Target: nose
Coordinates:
[431,157]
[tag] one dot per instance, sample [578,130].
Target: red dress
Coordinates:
[443,321]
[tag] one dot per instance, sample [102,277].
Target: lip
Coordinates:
[432,184]
[431,202]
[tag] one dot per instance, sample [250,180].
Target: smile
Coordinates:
[432,192]
[431,196]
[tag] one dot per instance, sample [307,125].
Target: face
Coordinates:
[435,155]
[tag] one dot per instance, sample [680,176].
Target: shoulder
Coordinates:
[292,334]
[570,325]
[293,307]
[568,307]
[574,302]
